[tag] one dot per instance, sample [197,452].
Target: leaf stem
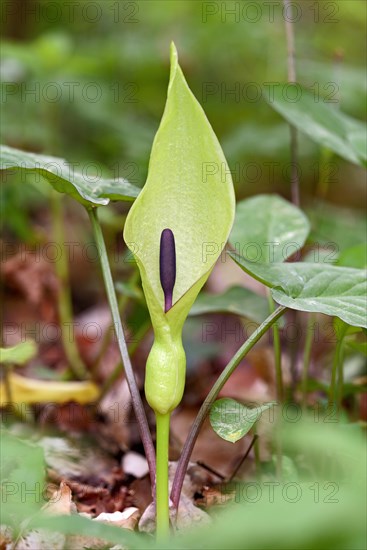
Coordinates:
[129,373]
[337,369]
[65,309]
[162,496]
[122,303]
[120,367]
[291,66]
[307,356]
[212,395]
[277,352]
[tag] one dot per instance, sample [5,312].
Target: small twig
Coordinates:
[209,469]
[244,457]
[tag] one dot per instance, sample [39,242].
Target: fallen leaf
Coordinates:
[34,278]
[128,519]
[60,502]
[30,390]
[188,516]
[79,459]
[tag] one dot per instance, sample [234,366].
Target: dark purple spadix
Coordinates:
[167,266]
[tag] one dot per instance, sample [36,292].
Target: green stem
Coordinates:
[339,398]
[277,352]
[291,69]
[324,173]
[120,367]
[162,497]
[129,373]
[279,382]
[122,303]
[64,296]
[337,367]
[257,459]
[307,356]
[212,395]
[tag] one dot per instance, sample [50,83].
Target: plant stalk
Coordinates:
[307,356]
[129,373]
[122,303]
[120,367]
[277,352]
[337,370]
[162,493]
[64,296]
[212,395]
[291,66]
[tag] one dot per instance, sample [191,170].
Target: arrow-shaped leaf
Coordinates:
[322,122]
[232,420]
[64,178]
[237,300]
[322,288]
[268,229]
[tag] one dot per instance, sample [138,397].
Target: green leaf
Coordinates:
[22,479]
[268,229]
[361,347]
[332,235]
[355,256]
[237,300]
[232,420]
[66,179]
[333,290]
[185,192]
[322,122]
[76,524]
[19,354]
[314,512]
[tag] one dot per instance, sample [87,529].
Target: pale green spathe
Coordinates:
[189,190]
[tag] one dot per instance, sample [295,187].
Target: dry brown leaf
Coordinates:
[60,502]
[128,519]
[188,516]
[35,279]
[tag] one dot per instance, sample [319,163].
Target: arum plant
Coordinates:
[179,215]
[177,228]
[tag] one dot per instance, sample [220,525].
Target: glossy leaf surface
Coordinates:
[322,288]
[268,229]
[65,178]
[322,122]
[232,420]
[237,300]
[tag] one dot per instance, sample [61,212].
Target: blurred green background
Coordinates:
[87,81]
